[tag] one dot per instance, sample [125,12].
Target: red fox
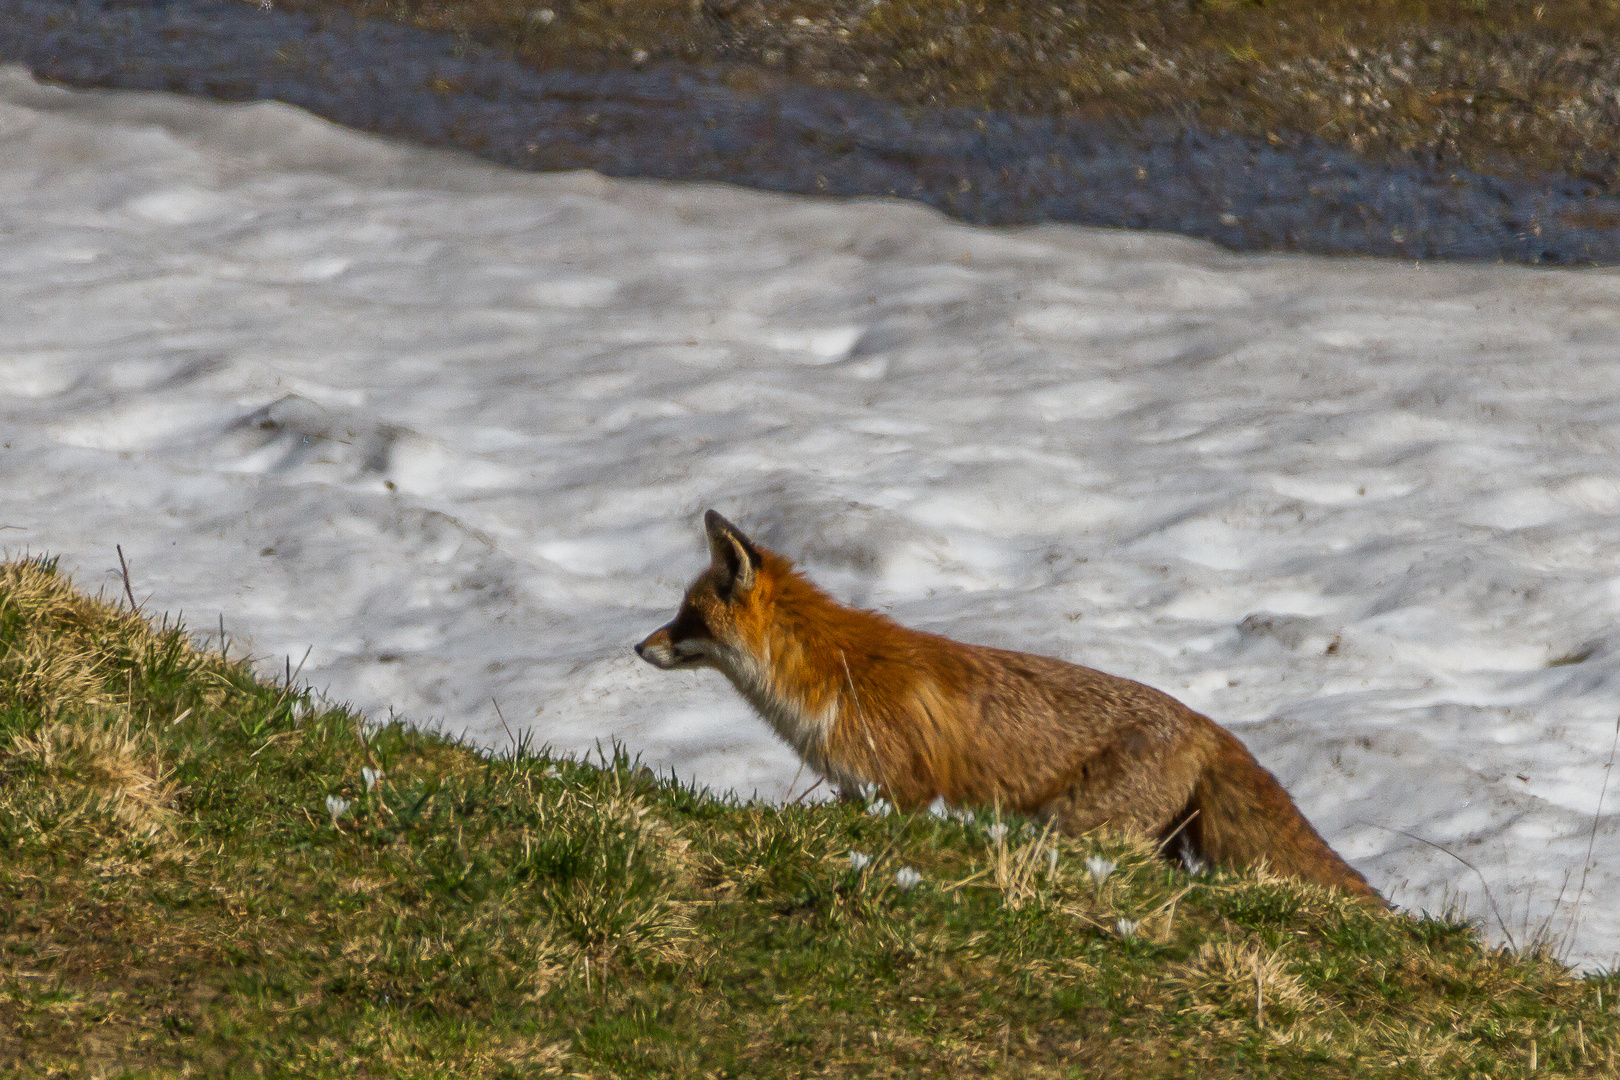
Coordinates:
[870,704]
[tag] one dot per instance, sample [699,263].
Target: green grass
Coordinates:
[176,897]
[1512,86]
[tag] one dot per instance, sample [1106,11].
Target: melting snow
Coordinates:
[451,429]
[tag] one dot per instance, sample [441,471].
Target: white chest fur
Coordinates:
[803,728]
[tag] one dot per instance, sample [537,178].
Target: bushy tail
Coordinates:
[1244,816]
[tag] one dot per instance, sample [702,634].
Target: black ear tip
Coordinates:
[716,525]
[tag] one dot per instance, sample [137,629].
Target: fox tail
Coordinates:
[1239,815]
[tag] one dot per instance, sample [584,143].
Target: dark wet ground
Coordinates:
[687,124]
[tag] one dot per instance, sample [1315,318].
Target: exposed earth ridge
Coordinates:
[680,122]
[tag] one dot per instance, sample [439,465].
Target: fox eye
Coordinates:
[688,624]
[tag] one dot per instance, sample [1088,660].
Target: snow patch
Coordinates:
[453,428]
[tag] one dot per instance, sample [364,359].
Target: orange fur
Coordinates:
[873,705]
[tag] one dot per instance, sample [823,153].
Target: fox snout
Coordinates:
[659,649]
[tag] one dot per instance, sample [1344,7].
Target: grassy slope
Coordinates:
[175,894]
[1505,85]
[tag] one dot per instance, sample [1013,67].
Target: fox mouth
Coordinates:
[667,658]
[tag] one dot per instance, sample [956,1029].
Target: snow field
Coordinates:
[451,429]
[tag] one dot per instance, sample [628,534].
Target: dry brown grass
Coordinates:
[86,764]
[119,769]
[65,650]
[1237,977]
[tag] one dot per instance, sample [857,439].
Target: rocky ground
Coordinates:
[1497,85]
[1470,130]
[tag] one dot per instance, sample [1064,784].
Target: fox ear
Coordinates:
[732,553]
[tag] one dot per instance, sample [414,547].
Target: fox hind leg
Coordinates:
[1123,789]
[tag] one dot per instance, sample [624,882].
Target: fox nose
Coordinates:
[641,647]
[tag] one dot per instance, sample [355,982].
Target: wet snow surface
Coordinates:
[450,428]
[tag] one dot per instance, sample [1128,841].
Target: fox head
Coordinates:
[722,615]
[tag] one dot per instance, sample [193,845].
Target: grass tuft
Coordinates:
[205,871]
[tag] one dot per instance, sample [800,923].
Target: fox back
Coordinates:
[872,705]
